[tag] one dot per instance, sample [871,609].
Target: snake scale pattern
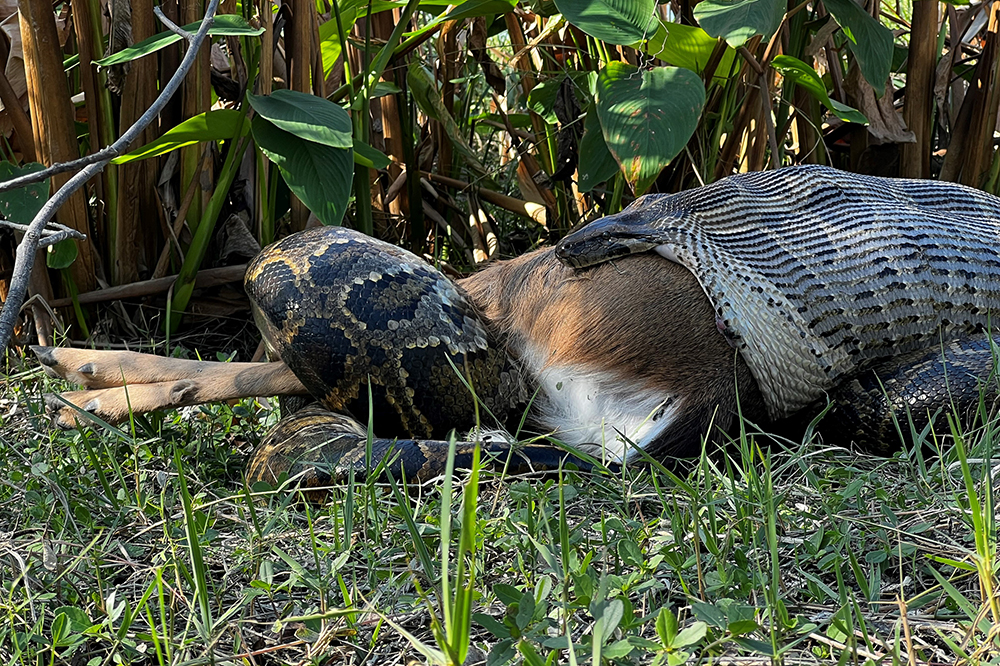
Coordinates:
[361,322]
[826,282]
[815,272]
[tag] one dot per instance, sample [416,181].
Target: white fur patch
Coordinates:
[597,410]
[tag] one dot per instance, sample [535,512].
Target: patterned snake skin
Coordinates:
[351,315]
[816,273]
[865,290]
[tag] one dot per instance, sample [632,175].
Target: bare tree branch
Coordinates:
[119,147]
[93,165]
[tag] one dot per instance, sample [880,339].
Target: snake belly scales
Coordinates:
[816,276]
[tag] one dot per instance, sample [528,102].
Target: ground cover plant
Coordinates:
[143,545]
[464,133]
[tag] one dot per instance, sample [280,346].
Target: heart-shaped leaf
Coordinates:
[647,116]
[612,21]
[318,174]
[685,46]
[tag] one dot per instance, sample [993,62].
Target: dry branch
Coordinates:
[532,211]
[25,256]
[210,277]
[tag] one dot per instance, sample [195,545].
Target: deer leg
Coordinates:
[124,381]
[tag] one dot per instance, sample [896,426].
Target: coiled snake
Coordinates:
[873,291]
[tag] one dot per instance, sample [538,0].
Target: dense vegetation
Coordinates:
[464,133]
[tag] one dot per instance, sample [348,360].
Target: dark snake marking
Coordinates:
[350,314]
[865,291]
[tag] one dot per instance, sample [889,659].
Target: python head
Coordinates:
[632,231]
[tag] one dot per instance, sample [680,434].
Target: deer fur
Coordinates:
[626,348]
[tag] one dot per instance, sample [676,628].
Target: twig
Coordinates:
[528,209]
[60,230]
[765,102]
[210,277]
[25,256]
[107,154]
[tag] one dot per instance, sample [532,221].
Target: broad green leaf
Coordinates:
[688,47]
[805,76]
[736,21]
[329,37]
[666,626]
[755,645]
[612,21]
[370,157]
[617,650]
[607,617]
[78,619]
[306,116]
[60,629]
[740,627]
[691,635]
[225,25]
[542,99]
[473,8]
[22,205]
[507,594]
[318,174]
[870,41]
[647,116]
[217,125]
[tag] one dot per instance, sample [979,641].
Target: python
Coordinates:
[763,295]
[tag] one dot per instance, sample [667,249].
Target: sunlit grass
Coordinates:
[145,546]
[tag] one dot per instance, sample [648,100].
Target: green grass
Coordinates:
[144,546]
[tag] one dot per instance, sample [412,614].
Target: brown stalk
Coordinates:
[210,277]
[24,138]
[971,149]
[765,103]
[917,110]
[392,122]
[164,261]
[523,65]
[298,47]
[135,237]
[265,80]
[196,98]
[448,68]
[532,211]
[52,121]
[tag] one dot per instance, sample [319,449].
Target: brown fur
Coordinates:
[643,319]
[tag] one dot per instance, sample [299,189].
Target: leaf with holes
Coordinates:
[318,174]
[612,21]
[805,76]
[870,41]
[736,21]
[647,116]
